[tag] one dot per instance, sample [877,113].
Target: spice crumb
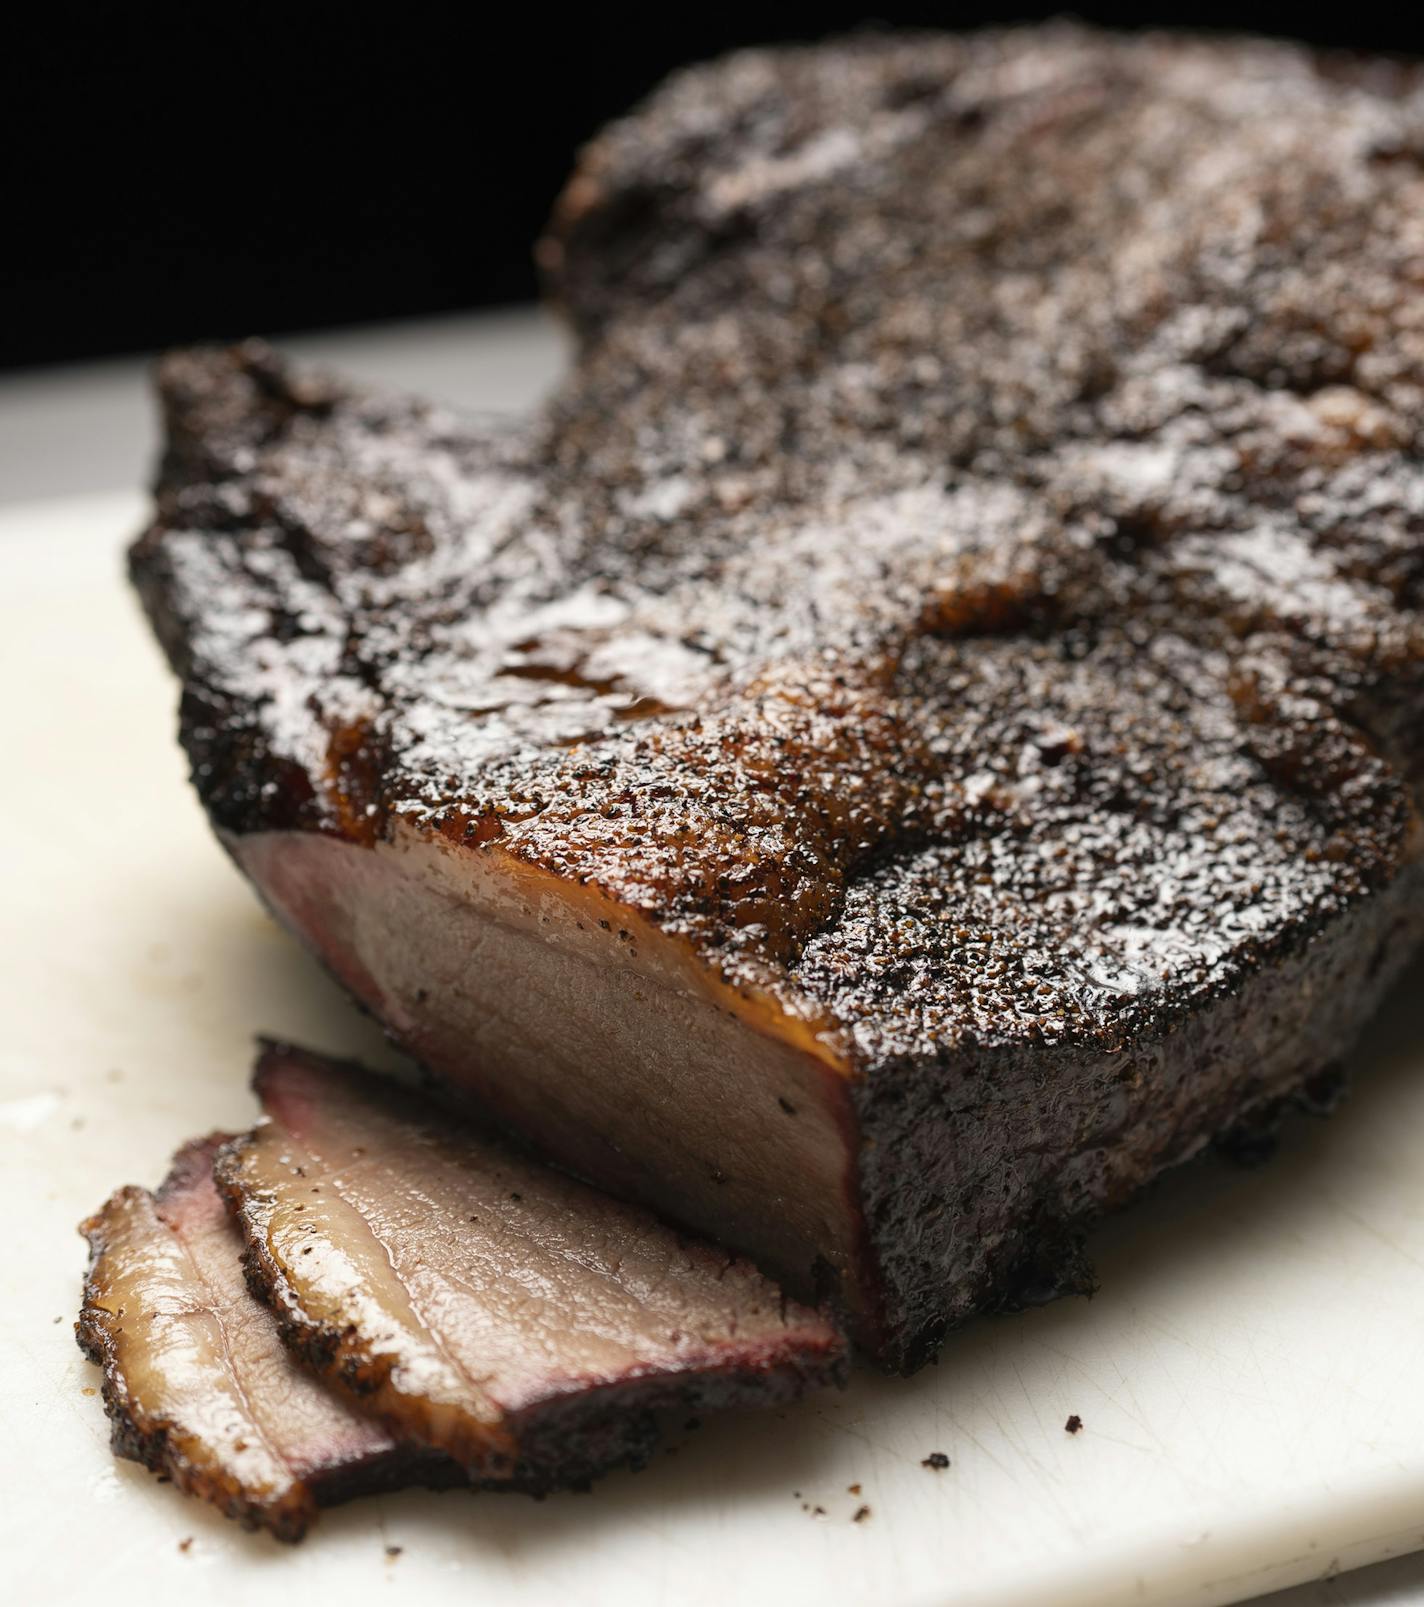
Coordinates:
[88,1389]
[392,1552]
[1073,1424]
[860,1514]
[818,1512]
[185,1542]
[936,1460]
[852,1489]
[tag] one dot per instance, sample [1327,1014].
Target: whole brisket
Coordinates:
[920,733]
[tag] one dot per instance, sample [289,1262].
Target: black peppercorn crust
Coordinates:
[966,596]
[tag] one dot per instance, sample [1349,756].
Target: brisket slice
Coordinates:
[921,731]
[196,1380]
[482,1305]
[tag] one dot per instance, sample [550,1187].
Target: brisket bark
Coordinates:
[920,732]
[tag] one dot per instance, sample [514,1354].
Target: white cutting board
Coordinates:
[1251,1377]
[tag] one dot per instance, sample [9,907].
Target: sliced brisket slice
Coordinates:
[922,731]
[196,1380]
[483,1305]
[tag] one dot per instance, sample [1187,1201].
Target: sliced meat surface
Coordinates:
[923,730]
[196,1379]
[483,1305]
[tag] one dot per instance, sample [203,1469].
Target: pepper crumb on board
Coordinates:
[936,1460]
[392,1552]
[860,1514]
[1073,1424]
[185,1543]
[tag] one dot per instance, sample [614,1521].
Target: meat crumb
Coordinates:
[392,1552]
[1073,1424]
[936,1460]
[860,1514]
[185,1542]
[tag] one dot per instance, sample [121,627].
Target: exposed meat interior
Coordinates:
[581,1025]
[196,1380]
[483,1305]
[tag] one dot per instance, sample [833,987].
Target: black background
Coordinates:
[210,172]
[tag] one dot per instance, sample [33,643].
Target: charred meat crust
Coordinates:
[972,611]
[1225,1072]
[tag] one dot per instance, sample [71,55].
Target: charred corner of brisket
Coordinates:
[920,733]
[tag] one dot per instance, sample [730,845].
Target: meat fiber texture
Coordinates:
[433,1310]
[921,732]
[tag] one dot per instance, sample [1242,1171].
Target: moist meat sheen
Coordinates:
[482,1305]
[196,1380]
[919,733]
